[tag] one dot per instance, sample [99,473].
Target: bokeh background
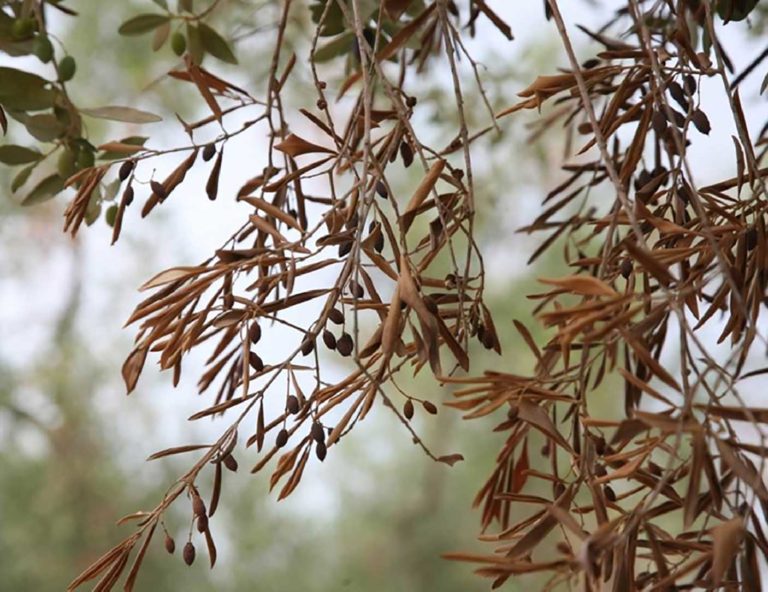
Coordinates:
[378,513]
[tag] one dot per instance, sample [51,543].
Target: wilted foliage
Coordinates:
[656,257]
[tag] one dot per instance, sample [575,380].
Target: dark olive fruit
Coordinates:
[356,289]
[430,407]
[336,316]
[158,189]
[282,438]
[381,189]
[255,332]
[128,195]
[202,523]
[345,345]
[406,153]
[209,152]
[255,361]
[626,268]
[329,339]
[198,506]
[321,451]
[292,404]
[230,462]
[125,170]
[408,409]
[378,245]
[170,544]
[317,431]
[189,553]
[307,346]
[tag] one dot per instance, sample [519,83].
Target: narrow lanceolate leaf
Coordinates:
[212,186]
[215,44]
[130,581]
[161,191]
[44,190]
[98,566]
[540,419]
[274,211]
[585,285]
[211,547]
[172,274]
[125,114]
[121,148]
[143,23]
[422,192]
[13,155]
[177,450]
[341,45]
[294,146]
[202,85]
[742,470]
[161,36]
[450,459]
[132,367]
[727,539]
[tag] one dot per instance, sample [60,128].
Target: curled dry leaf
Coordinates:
[295,146]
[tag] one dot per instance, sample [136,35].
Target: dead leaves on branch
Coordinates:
[330,243]
[654,260]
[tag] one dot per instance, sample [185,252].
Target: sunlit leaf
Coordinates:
[126,114]
[215,44]
[12,154]
[143,23]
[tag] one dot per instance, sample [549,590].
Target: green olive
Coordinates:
[43,48]
[178,43]
[67,68]
[110,215]
[66,164]
[93,210]
[85,159]
[23,28]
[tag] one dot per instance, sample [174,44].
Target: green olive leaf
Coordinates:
[143,23]
[215,44]
[44,127]
[13,155]
[23,91]
[44,190]
[339,46]
[124,114]
[195,44]
[22,177]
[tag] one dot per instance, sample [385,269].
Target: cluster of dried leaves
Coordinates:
[671,493]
